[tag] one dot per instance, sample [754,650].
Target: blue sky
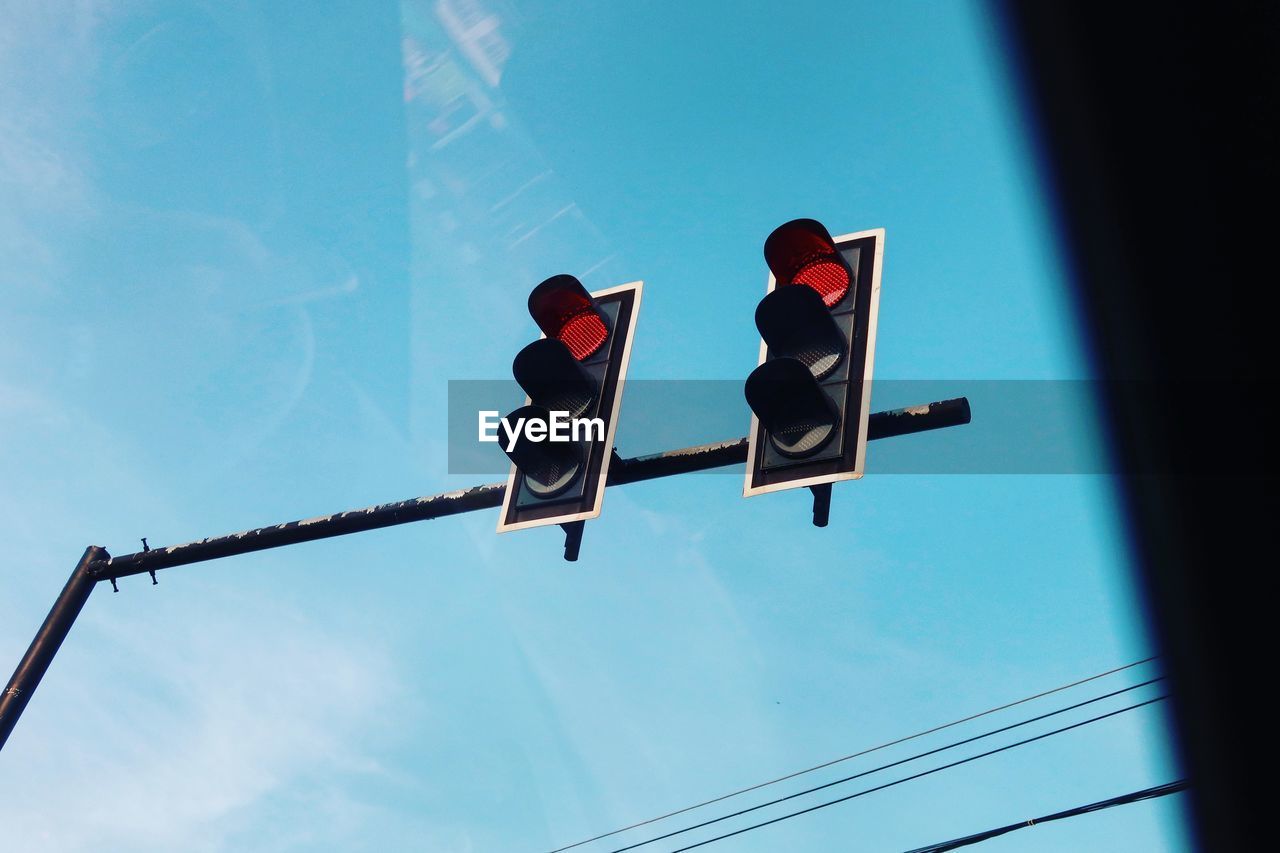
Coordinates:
[246,250]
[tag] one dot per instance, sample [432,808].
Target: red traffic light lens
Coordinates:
[802,252]
[830,279]
[583,334]
[563,309]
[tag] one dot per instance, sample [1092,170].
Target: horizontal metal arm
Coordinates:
[685,460]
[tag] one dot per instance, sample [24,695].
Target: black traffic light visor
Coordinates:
[795,323]
[802,252]
[791,406]
[564,310]
[553,378]
[548,467]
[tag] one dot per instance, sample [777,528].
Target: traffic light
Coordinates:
[811,393]
[561,440]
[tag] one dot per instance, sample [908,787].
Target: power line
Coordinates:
[919,775]
[858,754]
[1124,799]
[897,763]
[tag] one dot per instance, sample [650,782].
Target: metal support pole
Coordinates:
[40,653]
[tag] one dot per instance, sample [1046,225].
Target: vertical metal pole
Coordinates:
[40,654]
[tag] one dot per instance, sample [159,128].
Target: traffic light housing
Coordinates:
[810,395]
[578,368]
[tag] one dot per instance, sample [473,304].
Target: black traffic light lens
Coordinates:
[548,467]
[802,252]
[564,310]
[553,378]
[795,324]
[792,407]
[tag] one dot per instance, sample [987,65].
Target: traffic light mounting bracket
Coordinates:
[572,539]
[821,504]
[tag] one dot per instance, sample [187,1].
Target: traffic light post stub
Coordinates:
[815,428]
[568,478]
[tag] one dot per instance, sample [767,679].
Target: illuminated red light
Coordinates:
[583,334]
[563,309]
[829,278]
[802,252]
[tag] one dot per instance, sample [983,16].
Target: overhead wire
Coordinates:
[1122,800]
[919,775]
[888,766]
[858,754]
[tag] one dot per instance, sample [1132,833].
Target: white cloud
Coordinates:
[192,728]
